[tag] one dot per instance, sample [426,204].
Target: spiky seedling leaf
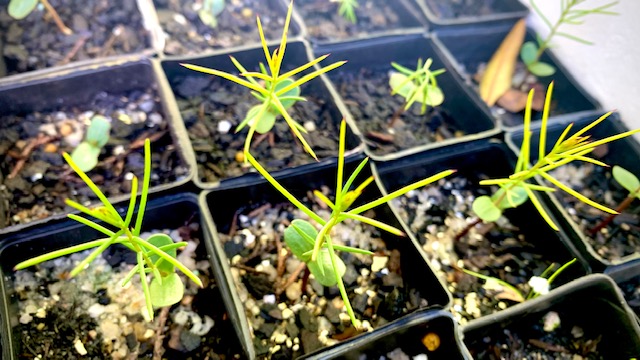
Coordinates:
[407,89]
[167,291]
[20,9]
[627,180]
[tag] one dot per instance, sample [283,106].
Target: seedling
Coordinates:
[628,181]
[347,9]
[515,190]
[539,285]
[20,9]
[155,255]
[569,15]
[277,92]
[209,12]
[416,85]
[85,156]
[316,248]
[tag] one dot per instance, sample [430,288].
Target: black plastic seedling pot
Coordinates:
[118,90]
[627,276]
[363,85]
[166,212]
[467,47]
[433,333]
[228,208]
[590,308]
[448,212]
[625,153]
[442,14]
[322,22]
[204,102]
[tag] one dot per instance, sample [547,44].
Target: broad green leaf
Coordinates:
[85,156]
[207,18]
[528,52]
[98,131]
[294,92]
[168,292]
[398,82]
[496,79]
[486,210]
[264,118]
[515,197]
[435,96]
[296,241]
[20,9]
[159,240]
[541,69]
[323,270]
[627,179]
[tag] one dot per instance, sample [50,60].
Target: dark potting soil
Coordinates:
[447,9]
[437,214]
[622,236]
[39,188]
[187,34]
[324,23]
[300,320]
[59,318]
[212,108]
[101,28]
[529,340]
[368,97]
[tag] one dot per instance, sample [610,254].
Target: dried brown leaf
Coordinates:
[496,79]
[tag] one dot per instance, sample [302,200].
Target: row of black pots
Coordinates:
[592,303]
[193,106]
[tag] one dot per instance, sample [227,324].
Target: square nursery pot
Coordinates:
[186,34]
[47,315]
[99,31]
[322,23]
[619,241]
[432,333]
[46,115]
[447,13]
[519,245]
[212,107]
[471,46]
[594,323]
[249,224]
[363,84]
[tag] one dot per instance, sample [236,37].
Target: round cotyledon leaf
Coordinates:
[300,236]
[485,209]
[20,9]
[167,292]
[322,269]
[627,179]
[85,156]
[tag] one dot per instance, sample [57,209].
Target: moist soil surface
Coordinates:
[324,23]
[213,108]
[100,28]
[60,317]
[187,34]
[300,319]
[622,236]
[37,186]
[530,341]
[437,214]
[447,9]
[368,98]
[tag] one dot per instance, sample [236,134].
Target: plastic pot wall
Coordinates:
[623,152]
[502,12]
[221,207]
[406,334]
[493,159]
[467,47]
[377,53]
[78,86]
[296,54]
[594,302]
[161,213]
